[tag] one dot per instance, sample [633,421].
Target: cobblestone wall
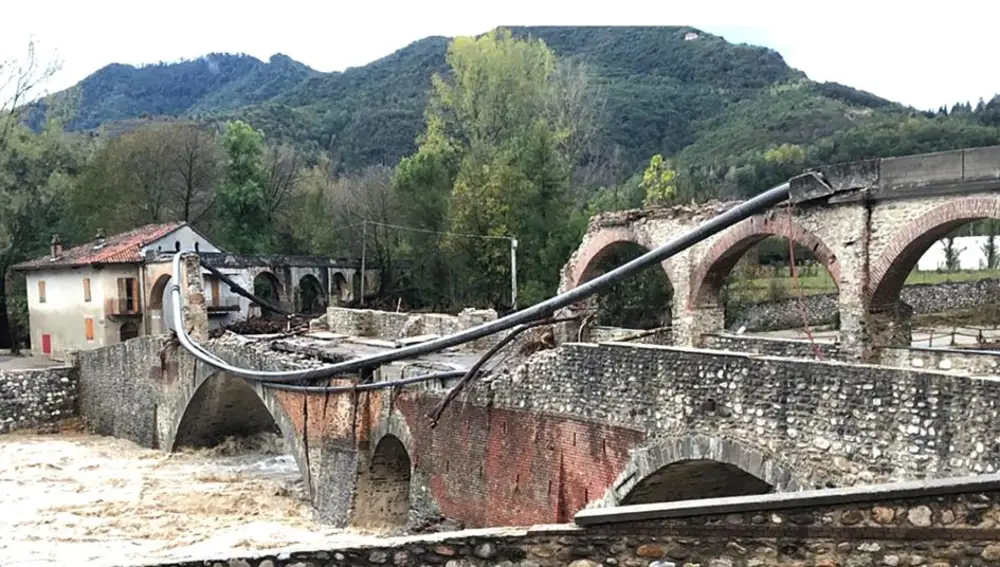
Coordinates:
[823,309]
[827,423]
[36,398]
[772,346]
[388,325]
[890,529]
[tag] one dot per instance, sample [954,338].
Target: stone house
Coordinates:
[110,289]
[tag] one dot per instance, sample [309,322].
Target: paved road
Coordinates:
[8,362]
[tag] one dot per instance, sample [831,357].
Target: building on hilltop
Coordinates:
[115,288]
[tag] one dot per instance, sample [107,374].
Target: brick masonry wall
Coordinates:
[490,466]
[823,309]
[36,398]
[935,531]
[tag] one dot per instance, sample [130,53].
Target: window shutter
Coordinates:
[135,295]
[86,289]
[41,291]
[120,306]
[88,327]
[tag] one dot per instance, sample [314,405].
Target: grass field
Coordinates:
[815,280]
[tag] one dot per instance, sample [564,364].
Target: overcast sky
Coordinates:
[925,57]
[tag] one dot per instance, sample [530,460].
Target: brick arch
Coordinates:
[732,455]
[889,272]
[598,245]
[383,495]
[707,279]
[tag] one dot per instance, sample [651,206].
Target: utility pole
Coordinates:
[513,274]
[364,249]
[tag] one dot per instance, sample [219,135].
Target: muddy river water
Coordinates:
[77,499]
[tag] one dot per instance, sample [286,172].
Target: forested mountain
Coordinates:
[669,90]
[211,83]
[440,152]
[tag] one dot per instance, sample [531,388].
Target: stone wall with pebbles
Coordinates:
[915,527]
[822,309]
[36,398]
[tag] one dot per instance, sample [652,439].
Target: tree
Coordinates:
[243,210]
[658,183]
[35,171]
[952,254]
[282,168]
[494,160]
[197,161]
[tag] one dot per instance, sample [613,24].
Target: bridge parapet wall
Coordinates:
[950,524]
[834,424]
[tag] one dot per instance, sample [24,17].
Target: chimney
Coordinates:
[55,247]
[99,239]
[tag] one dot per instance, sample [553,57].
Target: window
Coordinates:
[86,289]
[215,292]
[88,328]
[41,291]
[196,247]
[128,295]
[177,245]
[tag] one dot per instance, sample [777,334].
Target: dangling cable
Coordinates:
[798,290]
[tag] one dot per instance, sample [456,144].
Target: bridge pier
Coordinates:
[888,326]
[194,313]
[693,324]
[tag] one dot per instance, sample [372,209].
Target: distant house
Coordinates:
[109,290]
[102,292]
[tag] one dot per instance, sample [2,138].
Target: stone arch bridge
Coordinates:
[883,215]
[577,426]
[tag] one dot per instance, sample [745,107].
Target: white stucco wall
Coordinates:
[63,314]
[186,237]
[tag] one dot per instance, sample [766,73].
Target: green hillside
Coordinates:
[713,105]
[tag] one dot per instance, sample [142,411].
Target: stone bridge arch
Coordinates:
[386,492]
[708,277]
[205,408]
[599,245]
[907,245]
[699,466]
[889,319]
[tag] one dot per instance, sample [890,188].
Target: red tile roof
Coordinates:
[118,249]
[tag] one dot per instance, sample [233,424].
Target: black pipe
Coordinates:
[239,290]
[543,310]
[547,308]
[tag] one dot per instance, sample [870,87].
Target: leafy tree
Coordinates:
[36,169]
[952,254]
[501,150]
[657,182]
[159,172]
[243,207]
[989,245]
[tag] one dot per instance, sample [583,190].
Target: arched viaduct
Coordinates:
[884,214]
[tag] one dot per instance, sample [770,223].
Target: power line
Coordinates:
[428,231]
